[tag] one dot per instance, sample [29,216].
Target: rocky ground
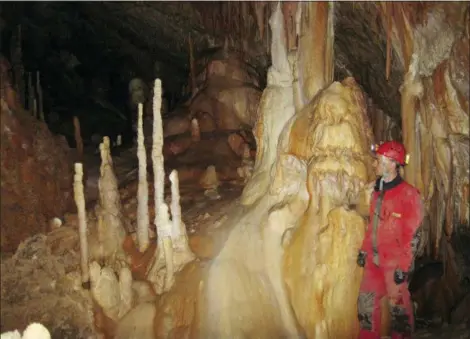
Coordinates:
[446,331]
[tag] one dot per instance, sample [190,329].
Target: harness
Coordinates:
[375,225]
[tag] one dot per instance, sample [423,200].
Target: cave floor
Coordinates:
[446,331]
[41,282]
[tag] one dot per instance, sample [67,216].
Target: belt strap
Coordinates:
[378,207]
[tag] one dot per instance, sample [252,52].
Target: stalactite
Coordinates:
[389,38]
[142,189]
[426,161]
[449,202]
[260,20]
[289,10]
[82,223]
[317,35]
[411,90]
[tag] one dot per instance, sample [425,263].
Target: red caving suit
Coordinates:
[390,243]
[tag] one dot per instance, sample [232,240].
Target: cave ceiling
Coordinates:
[133,36]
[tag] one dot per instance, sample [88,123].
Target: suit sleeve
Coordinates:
[411,228]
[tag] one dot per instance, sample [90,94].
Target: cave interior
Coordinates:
[73,73]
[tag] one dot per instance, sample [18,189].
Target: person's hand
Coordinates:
[361,258]
[399,276]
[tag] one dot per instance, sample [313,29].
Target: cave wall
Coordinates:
[433,46]
[35,169]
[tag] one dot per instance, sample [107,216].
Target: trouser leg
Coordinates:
[401,307]
[368,305]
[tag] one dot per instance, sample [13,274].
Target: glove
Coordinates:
[399,276]
[361,258]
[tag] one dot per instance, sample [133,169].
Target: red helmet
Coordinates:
[393,150]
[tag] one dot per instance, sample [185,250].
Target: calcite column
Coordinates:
[315,58]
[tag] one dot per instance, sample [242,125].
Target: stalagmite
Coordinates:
[35,108]
[157,146]
[17,63]
[246,169]
[164,254]
[195,130]
[210,182]
[111,230]
[275,109]
[182,252]
[82,222]
[39,90]
[177,230]
[30,93]
[142,190]
[411,90]
[78,137]
[125,291]
[329,234]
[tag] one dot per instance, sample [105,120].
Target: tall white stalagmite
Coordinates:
[157,146]
[175,205]
[183,253]
[165,225]
[161,209]
[142,190]
[82,226]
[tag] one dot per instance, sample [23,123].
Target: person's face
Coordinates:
[384,166]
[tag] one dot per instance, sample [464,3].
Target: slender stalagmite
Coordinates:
[17,62]
[195,130]
[39,89]
[161,209]
[30,93]
[157,146]
[165,227]
[35,108]
[82,227]
[175,205]
[178,233]
[142,190]
[78,137]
